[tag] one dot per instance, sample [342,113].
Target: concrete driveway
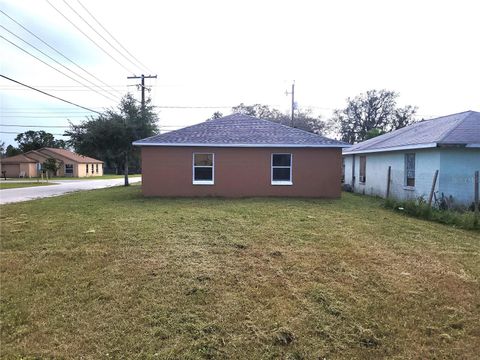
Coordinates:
[61,187]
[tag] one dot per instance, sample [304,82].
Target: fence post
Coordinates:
[433,188]
[389,172]
[476,205]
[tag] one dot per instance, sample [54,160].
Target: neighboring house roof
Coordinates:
[69,155]
[461,129]
[17,159]
[47,153]
[238,130]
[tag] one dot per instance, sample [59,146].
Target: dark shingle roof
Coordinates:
[457,129]
[238,130]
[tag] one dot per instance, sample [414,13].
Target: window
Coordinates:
[203,169]
[92,168]
[410,170]
[96,168]
[86,168]
[281,169]
[68,169]
[363,169]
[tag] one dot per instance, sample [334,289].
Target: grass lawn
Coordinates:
[12,185]
[110,274]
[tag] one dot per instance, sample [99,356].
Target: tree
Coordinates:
[12,151]
[51,166]
[109,137]
[216,115]
[304,119]
[2,149]
[373,133]
[375,109]
[34,140]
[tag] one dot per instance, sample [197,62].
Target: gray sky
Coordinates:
[221,53]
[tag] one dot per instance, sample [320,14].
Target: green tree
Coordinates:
[303,118]
[373,133]
[12,151]
[34,140]
[51,166]
[109,137]
[2,149]
[375,109]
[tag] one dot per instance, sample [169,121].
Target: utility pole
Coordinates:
[142,85]
[293,101]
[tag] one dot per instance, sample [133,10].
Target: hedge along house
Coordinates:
[241,156]
[71,164]
[449,144]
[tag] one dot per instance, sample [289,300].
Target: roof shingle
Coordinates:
[459,129]
[238,130]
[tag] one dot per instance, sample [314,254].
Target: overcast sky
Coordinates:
[221,53]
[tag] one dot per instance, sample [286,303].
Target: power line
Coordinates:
[88,37]
[58,52]
[15,133]
[45,93]
[54,68]
[68,126]
[43,117]
[91,27]
[123,47]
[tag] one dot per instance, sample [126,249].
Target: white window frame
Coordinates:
[203,182]
[277,182]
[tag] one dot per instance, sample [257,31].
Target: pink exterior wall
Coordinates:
[241,172]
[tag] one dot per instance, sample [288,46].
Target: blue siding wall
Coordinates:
[456,170]
[456,177]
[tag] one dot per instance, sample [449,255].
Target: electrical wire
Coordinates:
[115,97]
[108,42]
[88,37]
[118,42]
[58,52]
[45,93]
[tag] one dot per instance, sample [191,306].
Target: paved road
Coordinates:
[61,187]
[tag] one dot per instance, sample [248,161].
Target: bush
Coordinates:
[419,208]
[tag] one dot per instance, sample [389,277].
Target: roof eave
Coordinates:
[136,143]
[393,148]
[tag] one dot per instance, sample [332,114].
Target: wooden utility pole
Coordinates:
[293,102]
[142,84]
[142,88]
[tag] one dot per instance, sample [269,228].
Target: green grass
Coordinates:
[12,185]
[110,274]
[419,208]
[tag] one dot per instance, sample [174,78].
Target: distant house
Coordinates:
[239,156]
[71,164]
[450,144]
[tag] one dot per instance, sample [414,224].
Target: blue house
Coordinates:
[449,144]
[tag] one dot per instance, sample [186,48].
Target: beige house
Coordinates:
[71,164]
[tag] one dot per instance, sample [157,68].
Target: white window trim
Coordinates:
[273,182]
[203,182]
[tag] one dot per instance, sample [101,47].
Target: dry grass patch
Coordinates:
[109,273]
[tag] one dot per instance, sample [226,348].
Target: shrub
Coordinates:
[419,208]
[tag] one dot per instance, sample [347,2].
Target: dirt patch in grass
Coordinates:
[233,279]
